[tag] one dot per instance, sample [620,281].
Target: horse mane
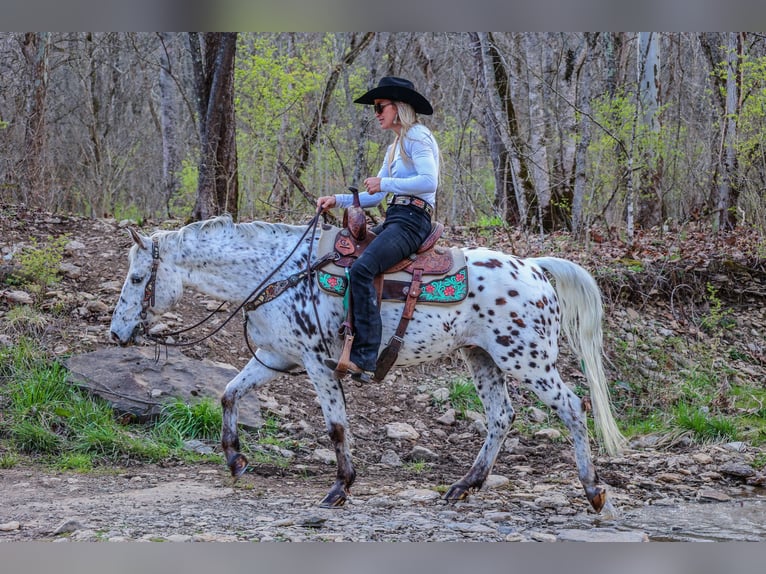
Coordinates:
[221,224]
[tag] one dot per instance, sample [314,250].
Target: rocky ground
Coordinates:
[407,445]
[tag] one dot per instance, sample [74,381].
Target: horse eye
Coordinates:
[136,280]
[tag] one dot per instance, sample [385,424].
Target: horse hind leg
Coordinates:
[489,380]
[551,390]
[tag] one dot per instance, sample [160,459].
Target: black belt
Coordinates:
[412,200]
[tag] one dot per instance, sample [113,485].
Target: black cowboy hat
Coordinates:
[399,90]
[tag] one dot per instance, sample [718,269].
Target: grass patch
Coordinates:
[201,420]
[703,426]
[45,416]
[463,397]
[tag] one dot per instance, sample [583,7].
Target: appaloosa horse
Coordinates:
[508,324]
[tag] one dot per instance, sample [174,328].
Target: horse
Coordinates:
[508,324]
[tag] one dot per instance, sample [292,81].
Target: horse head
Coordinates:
[149,290]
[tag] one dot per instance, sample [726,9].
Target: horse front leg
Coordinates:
[490,385]
[333,404]
[252,376]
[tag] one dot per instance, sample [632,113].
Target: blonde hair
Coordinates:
[406,116]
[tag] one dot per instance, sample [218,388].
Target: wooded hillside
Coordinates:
[544,131]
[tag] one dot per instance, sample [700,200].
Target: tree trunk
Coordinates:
[651,201]
[725,217]
[168,122]
[583,74]
[501,127]
[538,128]
[217,189]
[35,49]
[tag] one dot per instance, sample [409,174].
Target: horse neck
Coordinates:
[229,262]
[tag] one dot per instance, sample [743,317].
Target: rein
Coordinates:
[260,295]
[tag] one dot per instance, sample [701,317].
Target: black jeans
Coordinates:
[403,232]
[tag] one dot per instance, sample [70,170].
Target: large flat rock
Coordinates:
[132,381]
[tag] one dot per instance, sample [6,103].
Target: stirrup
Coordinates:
[357,374]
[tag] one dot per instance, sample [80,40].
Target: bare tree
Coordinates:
[213,61]
[35,49]
[169,119]
[492,81]
[582,70]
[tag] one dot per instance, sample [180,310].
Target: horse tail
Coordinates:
[581,316]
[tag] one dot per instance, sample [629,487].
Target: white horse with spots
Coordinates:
[508,324]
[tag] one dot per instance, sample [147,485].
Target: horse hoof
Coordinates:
[456,492]
[237,465]
[597,498]
[334,499]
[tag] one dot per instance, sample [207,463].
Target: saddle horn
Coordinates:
[354,218]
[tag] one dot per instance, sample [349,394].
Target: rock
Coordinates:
[179,538]
[68,526]
[601,535]
[448,418]
[702,458]
[324,455]
[422,454]
[399,431]
[670,478]
[736,446]
[132,381]
[10,526]
[542,537]
[474,416]
[441,394]
[553,500]
[18,297]
[737,469]
[97,307]
[710,494]
[197,446]
[479,427]
[70,270]
[535,415]
[74,247]
[419,495]
[390,458]
[495,481]
[549,434]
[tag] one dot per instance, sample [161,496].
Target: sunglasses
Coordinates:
[380,107]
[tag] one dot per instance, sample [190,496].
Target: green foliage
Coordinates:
[717,318]
[669,150]
[9,460]
[463,397]
[40,264]
[703,426]
[182,203]
[201,420]
[416,467]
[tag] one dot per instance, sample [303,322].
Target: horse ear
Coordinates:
[137,238]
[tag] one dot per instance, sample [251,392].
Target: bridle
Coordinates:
[148,301]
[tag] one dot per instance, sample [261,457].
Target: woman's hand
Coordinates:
[372,184]
[326,202]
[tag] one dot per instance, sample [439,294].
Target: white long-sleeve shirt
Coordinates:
[418,175]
